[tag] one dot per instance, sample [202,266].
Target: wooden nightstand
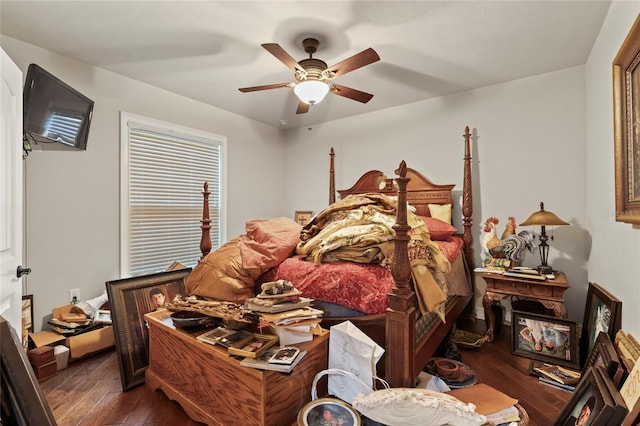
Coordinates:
[550,293]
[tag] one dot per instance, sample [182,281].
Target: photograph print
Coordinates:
[545,338]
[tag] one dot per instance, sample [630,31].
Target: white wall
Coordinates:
[72,197]
[528,146]
[545,138]
[614,258]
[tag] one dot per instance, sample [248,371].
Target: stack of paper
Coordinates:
[262,362]
[257,304]
[294,326]
[490,402]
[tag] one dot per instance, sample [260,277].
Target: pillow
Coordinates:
[412,406]
[268,242]
[220,275]
[441,211]
[439,230]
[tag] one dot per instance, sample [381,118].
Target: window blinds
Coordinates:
[167,171]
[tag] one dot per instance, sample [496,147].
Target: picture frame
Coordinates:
[591,392]
[630,391]
[22,397]
[603,312]
[103,316]
[130,299]
[312,414]
[302,217]
[253,346]
[626,109]
[545,338]
[559,374]
[604,354]
[27,319]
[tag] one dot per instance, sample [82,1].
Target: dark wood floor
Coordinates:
[89,392]
[495,366]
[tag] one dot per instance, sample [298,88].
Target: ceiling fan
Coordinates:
[313,76]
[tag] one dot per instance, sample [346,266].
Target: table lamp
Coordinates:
[543,219]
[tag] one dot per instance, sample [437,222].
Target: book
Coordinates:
[285,355]
[294,316]
[525,270]
[487,399]
[525,275]
[276,305]
[507,415]
[561,375]
[262,362]
[553,383]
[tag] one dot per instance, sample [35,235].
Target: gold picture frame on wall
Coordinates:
[626,110]
[303,217]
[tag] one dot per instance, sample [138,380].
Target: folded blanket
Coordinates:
[359,228]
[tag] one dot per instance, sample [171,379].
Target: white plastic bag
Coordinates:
[353,351]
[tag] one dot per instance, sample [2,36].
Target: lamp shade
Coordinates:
[543,218]
[311,91]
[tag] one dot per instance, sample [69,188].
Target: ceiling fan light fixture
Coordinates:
[311,91]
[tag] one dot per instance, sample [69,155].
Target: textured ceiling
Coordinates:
[206,50]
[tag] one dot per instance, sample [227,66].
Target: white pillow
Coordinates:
[419,407]
[440,211]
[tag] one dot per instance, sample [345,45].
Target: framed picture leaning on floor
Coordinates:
[130,299]
[545,338]
[603,312]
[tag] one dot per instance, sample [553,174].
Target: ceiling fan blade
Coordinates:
[302,107]
[265,87]
[283,56]
[350,93]
[359,60]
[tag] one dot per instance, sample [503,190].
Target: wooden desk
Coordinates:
[550,293]
[212,387]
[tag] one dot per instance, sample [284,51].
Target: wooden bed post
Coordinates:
[332,178]
[467,206]
[401,314]
[205,240]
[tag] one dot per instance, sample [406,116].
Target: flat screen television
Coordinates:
[55,111]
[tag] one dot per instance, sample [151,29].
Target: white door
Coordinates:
[10,192]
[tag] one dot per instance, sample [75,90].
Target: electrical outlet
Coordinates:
[74,292]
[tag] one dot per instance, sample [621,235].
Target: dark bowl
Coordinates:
[188,319]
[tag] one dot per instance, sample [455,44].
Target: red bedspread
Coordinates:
[361,287]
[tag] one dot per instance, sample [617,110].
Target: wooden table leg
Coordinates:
[487,300]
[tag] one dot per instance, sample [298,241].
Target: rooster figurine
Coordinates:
[509,249]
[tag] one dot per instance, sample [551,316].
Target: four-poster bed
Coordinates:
[409,337]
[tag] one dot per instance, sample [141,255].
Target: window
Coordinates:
[163,171]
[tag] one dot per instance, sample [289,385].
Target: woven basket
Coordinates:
[469,340]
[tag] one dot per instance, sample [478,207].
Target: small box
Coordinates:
[70,313]
[90,342]
[61,353]
[40,356]
[45,338]
[45,371]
